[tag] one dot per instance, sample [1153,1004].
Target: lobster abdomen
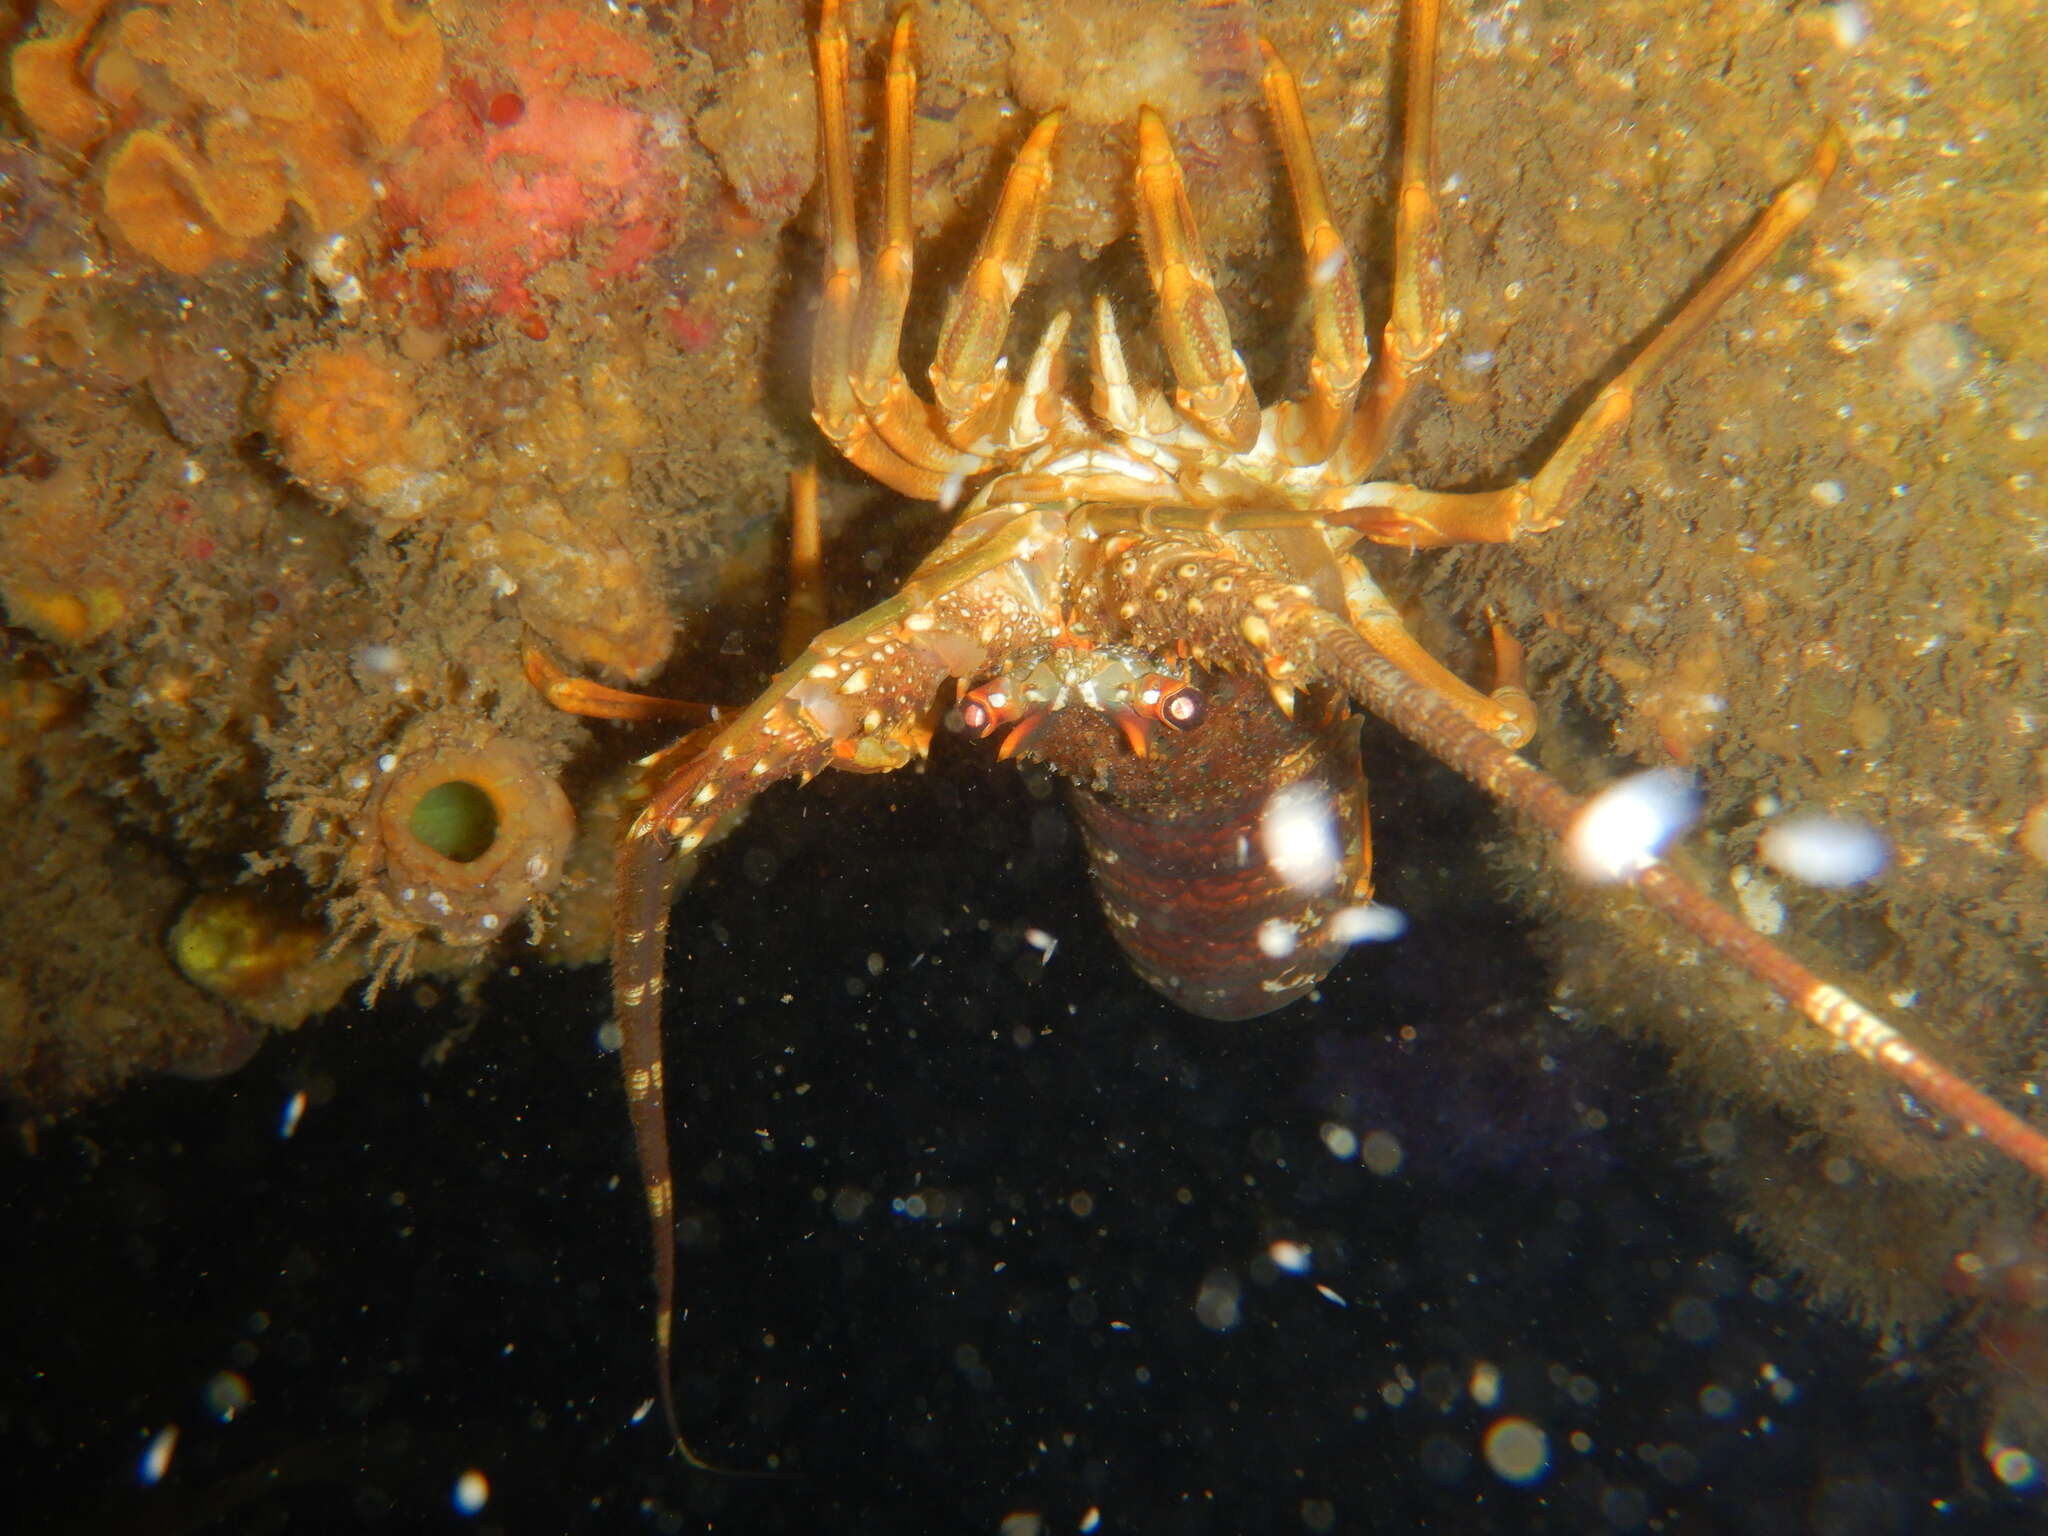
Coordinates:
[1177,843]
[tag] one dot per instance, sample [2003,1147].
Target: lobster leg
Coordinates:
[860,399]
[1507,714]
[1416,326]
[1509,686]
[1393,513]
[902,418]
[580,696]
[970,380]
[1307,431]
[803,615]
[803,610]
[1214,392]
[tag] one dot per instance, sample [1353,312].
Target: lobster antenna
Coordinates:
[1429,721]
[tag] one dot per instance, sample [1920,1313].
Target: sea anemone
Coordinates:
[464,830]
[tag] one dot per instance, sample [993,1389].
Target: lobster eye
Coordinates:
[1184,708]
[985,710]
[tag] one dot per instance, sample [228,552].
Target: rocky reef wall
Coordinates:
[350,347]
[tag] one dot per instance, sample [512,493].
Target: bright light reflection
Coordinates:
[156,1460]
[1625,827]
[1827,851]
[1298,835]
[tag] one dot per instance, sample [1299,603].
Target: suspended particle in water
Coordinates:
[1292,1257]
[1485,1384]
[2012,1466]
[1217,1302]
[156,1459]
[1298,834]
[1367,924]
[1826,851]
[1341,1140]
[227,1394]
[1381,1152]
[472,1492]
[1517,1450]
[1277,938]
[1625,827]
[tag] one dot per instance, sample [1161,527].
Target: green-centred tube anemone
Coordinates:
[465,828]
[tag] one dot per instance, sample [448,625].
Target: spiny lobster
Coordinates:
[1157,593]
